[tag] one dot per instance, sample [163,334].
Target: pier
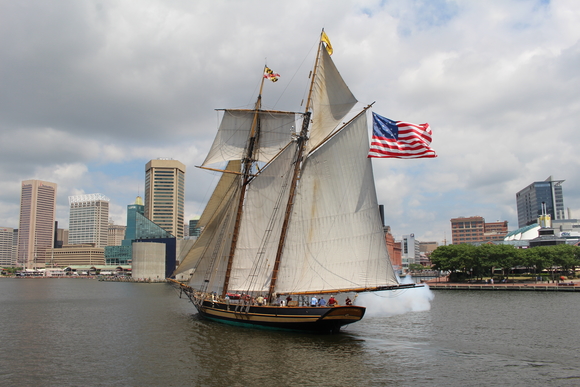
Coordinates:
[572,286]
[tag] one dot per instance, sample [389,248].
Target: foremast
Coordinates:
[247,164]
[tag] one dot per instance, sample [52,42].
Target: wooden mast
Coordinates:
[301,142]
[247,169]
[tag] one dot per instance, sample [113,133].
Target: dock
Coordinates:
[525,287]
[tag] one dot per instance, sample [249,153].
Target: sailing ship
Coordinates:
[294,214]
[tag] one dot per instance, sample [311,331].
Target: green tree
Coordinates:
[565,257]
[503,256]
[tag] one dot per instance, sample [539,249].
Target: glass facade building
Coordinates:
[138,228]
[193,229]
[530,200]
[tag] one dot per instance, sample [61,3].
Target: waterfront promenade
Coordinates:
[562,286]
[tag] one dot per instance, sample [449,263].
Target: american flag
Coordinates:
[400,139]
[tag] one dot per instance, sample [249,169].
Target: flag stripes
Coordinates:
[399,139]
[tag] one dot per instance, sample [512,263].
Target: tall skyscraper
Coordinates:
[530,199]
[165,194]
[36,226]
[89,219]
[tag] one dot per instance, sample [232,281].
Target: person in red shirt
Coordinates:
[332,301]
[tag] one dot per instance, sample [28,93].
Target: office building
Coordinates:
[194,231]
[36,226]
[165,194]
[61,237]
[474,229]
[74,255]
[410,253]
[7,247]
[89,219]
[531,199]
[116,234]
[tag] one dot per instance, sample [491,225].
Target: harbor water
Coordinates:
[82,332]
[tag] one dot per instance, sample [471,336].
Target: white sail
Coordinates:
[212,249]
[261,225]
[231,141]
[224,186]
[331,100]
[215,218]
[335,239]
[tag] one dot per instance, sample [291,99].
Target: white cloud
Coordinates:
[92,91]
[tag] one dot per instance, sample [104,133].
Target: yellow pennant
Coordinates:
[324,38]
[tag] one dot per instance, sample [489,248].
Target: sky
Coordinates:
[93,90]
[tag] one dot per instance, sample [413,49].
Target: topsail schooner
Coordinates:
[304,224]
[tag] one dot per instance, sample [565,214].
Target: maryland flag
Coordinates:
[324,38]
[269,74]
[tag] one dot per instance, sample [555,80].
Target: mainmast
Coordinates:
[247,163]
[301,142]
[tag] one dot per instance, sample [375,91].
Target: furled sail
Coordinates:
[331,100]
[335,239]
[276,129]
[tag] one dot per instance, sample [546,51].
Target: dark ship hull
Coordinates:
[294,318]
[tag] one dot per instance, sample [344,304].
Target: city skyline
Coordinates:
[87,110]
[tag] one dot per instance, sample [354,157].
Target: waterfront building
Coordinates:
[88,219]
[474,229]
[563,229]
[36,225]
[77,254]
[410,252]
[531,200]
[7,247]
[138,228]
[165,194]
[567,228]
[148,261]
[393,248]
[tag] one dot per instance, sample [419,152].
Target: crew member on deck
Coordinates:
[331,301]
[314,301]
[322,302]
[348,301]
